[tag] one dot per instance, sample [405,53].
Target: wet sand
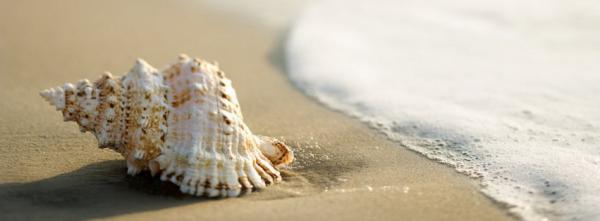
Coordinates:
[50,171]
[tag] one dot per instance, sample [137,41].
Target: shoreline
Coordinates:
[344,169]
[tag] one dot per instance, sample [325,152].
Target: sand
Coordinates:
[50,171]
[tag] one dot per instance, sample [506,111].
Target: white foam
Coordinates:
[508,91]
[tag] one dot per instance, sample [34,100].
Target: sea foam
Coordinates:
[506,91]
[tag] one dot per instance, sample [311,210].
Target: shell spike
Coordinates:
[142,67]
[68,87]
[107,75]
[140,62]
[183,57]
[83,82]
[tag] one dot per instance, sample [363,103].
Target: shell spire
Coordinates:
[183,123]
[55,96]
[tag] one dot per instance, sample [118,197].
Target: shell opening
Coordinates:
[276,151]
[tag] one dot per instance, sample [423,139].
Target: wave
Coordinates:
[504,91]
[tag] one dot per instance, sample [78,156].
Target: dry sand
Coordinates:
[50,171]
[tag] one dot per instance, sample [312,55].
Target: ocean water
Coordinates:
[271,13]
[505,91]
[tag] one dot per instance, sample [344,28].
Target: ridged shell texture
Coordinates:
[184,124]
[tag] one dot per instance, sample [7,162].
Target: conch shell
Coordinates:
[183,123]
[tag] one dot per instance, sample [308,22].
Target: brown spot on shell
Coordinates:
[226,120]
[175,103]
[224,96]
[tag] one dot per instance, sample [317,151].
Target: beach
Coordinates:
[344,170]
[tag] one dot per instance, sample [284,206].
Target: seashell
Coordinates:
[184,123]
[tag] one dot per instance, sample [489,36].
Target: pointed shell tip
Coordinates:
[183,56]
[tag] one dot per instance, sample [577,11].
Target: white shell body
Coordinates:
[184,123]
